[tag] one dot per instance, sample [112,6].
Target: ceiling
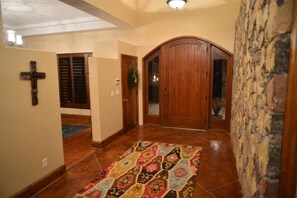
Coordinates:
[161,5]
[32,17]
[35,17]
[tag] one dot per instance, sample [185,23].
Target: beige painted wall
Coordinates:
[215,24]
[1,29]
[110,106]
[27,133]
[107,114]
[126,14]
[106,109]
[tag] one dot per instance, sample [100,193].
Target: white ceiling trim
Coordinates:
[36,17]
[97,12]
[69,25]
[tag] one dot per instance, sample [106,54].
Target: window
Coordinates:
[74,80]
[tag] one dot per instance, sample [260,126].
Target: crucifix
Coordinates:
[33,75]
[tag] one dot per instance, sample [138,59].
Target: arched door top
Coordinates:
[188,37]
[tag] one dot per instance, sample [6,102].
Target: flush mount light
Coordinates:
[11,36]
[176,4]
[14,40]
[19,40]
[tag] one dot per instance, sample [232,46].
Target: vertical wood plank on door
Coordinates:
[185,61]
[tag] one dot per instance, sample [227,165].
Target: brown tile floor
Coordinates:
[216,178]
[77,147]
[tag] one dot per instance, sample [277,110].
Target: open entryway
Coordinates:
[73,69]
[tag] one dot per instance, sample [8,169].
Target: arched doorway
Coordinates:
[187,83]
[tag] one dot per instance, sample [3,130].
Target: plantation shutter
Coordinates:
[65,80]
[74,80]
[79,78]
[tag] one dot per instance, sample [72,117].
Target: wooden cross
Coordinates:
[33,75]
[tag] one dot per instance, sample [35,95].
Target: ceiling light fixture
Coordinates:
[11,36]
[19,40]
[14,40]
[176,4]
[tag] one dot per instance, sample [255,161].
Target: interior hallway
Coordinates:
[77,147]
[217,176]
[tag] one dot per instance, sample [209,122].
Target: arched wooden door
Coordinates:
[185,85]
[183,88]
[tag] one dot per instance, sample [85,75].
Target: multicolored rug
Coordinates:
[148,170]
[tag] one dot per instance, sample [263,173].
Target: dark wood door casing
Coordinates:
[288,171]
[74,80]
[152,119]
[212,122]
[129,95]
[185,83]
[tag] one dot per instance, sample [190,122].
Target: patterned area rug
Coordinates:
[69,129]
[148,170]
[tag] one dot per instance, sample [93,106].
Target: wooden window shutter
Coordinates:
[65,80]
[74,80]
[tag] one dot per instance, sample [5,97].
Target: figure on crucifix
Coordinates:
[33,75]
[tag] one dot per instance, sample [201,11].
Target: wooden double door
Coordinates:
[176,84]
[184,88]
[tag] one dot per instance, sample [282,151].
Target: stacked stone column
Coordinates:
[261,56]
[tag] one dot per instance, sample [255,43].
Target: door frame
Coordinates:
[159,47]
[216,123]
[136,88]
[153,119]
[288,172]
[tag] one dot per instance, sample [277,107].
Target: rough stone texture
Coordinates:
[261,55]
[276,92]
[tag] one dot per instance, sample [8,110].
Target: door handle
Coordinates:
[165,91]
[125,100]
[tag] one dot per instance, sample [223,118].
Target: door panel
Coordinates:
[152,84]
[185,83]
[129,95]
[220,89]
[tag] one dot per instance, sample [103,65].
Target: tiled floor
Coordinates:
[216,178]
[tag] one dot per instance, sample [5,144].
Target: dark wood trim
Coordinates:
[209,123]
[208,85]
[73,103]
[288,174]
[230,88]
[122,86]
[151,119]
[189,37]
[110,139]
[87,55]
[169,78]
[85,118]
[34,188]
[212,122]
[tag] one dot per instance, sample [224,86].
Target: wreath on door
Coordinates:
[132,77]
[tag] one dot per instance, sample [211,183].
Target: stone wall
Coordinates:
[261,55]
